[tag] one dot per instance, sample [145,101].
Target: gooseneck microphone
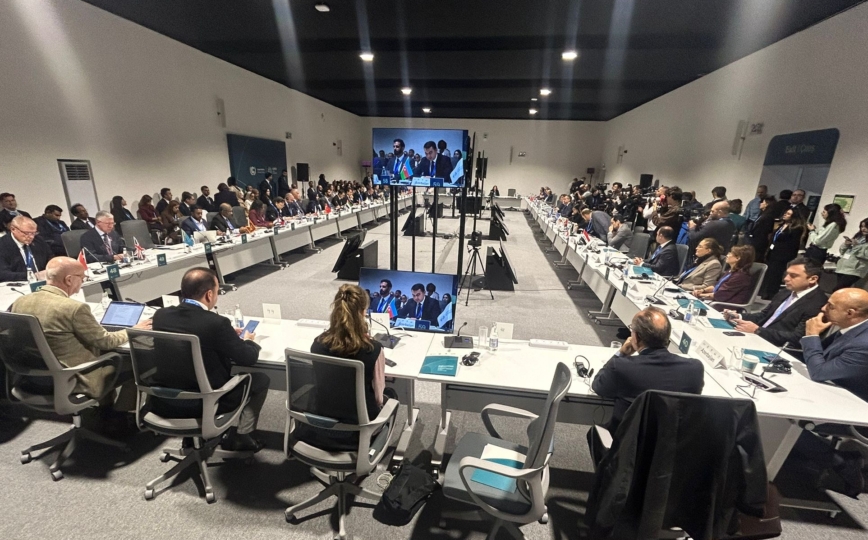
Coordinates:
[460,328]
[388,340]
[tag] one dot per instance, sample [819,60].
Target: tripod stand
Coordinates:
[471,272]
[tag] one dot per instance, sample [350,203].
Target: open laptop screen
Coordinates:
[124,314]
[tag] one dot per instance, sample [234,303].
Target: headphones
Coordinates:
[583,367]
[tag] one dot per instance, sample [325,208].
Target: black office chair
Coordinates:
[72,242]
[175,398]
[328,428]
[37,379]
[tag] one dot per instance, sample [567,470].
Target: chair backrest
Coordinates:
[136,229]
[682,250]
[209,217]
[638,229]
[239,216]
[72,241]
[639,246]
[325,388]
[757,273]
[167,361]
[541,432]
[510,192]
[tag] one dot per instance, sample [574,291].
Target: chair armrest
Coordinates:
[102,361]
[716,305]
[502,410]
[387,413]
[209,406]
[67,386]
[858,436]
[503,470]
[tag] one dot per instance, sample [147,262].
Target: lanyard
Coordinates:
[778,233]
[722,281]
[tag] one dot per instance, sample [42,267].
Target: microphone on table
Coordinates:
[388,340]
[96,259]
[458,341]
[652,298]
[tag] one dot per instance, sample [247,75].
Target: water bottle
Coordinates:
[239,318]
[689,316]
[106,300]
[493,341]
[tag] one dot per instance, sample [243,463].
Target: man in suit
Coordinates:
[50,228]
[268,183]
[664,261]
[396,163]
[222,346]
[282,185]
[74,335]
[420,306]
[205,201]
[10,210]
[187,203]
[784,319]
[102,243]
[381,304]
[82,221]
[434,164]
[195,223]
[619,235]
[565,207]
[223,221]
[598,225]
[717,226]
[798,205]
[165,199]
[294,205]
[22,250]
[718,194]
[643,363]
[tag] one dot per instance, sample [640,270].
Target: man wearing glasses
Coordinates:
[22,250]
[102,243]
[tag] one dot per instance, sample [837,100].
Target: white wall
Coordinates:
[81,83]
[812,80]
[557,151]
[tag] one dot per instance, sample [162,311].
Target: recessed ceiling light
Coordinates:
[569,55]
[367,57]
[426,110]
[532,111]
[534,99]
[545,91]
[322,7]
[406,90]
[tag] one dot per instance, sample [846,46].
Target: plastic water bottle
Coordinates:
[690,315]
[106,300]
[493,341]
[239,318]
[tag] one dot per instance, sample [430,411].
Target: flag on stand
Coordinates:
[82,260]
[405,171]
[187,239]
[392,309]
[140,251]
[586,236]
[328,208]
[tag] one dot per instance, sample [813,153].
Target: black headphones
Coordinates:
[583,367]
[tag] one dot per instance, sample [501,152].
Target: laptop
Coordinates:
[209,237]
[121,315]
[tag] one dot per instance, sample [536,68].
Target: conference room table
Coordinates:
[782,415]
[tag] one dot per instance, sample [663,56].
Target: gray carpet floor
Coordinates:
[101,495]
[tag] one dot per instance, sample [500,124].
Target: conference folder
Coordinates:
[439,365]
[501,456]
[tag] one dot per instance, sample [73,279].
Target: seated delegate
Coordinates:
[420,306]
[735,286]
[705,269]
[664,260]
[102,243]
[22,250]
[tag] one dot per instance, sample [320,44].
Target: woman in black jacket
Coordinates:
[119,212]
[759,234]
[784,247]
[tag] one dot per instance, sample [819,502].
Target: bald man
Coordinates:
[717,226]
[72,332]
[23,250]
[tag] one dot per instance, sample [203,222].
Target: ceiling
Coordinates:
[478,58]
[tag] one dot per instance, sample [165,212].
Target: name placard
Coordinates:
[114,271]
[684,344]
[243,238]
[161,259]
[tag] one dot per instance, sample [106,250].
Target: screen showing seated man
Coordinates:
[420,157]
[413,300]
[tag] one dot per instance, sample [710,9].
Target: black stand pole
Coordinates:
[434,236]
[413,238]
[467,281]
[393,228]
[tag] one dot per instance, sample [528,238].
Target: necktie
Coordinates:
[433,167]
[419,310]
[28,258]
[657,252]
[229,224]
[382,306]
[780,310]
[108,244]
[397,165]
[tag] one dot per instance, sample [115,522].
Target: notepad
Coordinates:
[684,302]
[641,270]
[721,324]
[439,365]
[762,355]
[501,456]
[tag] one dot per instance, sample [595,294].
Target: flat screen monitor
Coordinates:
[399,293]
[500,222]
[510,268]
[394,151]
[352,243]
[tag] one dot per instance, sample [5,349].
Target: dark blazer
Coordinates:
[313,206]
[839,358]
[282,187]
[218,223]
[224,197]
[800,209]
[430,310]
[390,165]
[121,215]
[6,217]
[206,203]
[566,210]
[719,229]
[787,245]
[790,325]
[184,209]
[189,226]
[161,205]
[759,234]
[50,231]
[96,250]
[735,290]
[442,168]
[12,266]
[666,261]
[221,347]
[623,378]
[78,224]
[265,184]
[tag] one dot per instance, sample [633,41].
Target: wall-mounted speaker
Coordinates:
[645,180]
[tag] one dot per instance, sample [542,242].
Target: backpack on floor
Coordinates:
[405,496]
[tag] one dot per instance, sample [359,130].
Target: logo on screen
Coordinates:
[252,171]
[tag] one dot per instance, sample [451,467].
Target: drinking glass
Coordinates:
[483,336]
[737,358]
[615,344]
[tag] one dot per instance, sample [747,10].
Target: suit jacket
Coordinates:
[623,378]
[221,347]
[206,203]
[6,217]
[800,209]
[565,210]
[719,229]
[442,168]
[282,187]
[224,197]
[665,263]
[184,209]
[161,205]
[600,222]
[703,275]
[77,224]
[73,334]
[430,310]
[790,325]
[391,163]
[623,237]
[736,289]
[313,206]
[50,231]
[840,358]
[189,226]
[12,265]
[218,223]
[269,185]
[96,249]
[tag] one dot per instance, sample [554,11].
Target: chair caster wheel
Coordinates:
[26,458]
[289,517]
[544,520]
[165,457]
[149,494]
[57,475]
[222,291]
[234,288]
[210,497]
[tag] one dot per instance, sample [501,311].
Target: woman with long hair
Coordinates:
[820,240]
[706,268]
[735,286]
[347,337]
[759,234]
[853,264]
[171,219]
[784,246]
[148,213]
[257,215]
[119,211]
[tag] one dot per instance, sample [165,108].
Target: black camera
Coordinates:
[475,239]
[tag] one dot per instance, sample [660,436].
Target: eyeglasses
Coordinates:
[27,233]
